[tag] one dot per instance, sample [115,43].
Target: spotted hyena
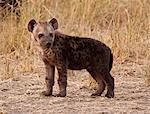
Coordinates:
[72,52]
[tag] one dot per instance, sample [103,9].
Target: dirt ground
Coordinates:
[21,94]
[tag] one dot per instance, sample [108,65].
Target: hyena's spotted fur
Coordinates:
[75,53]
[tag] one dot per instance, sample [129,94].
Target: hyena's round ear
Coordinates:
[54,23]
[31,25]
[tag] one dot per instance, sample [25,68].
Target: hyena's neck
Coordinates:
[59,35]
[59,39]
[51,45]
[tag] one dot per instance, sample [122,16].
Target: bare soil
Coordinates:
[21,94]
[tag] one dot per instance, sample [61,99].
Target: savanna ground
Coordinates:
[124,25]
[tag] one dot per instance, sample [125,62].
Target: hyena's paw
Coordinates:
[46,93]
[109,95]
[95,94]
[61,94]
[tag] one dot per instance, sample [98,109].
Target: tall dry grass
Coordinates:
[124,25]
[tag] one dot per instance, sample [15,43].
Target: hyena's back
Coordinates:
[87,53]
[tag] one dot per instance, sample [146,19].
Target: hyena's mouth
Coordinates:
[45,44]
[48,45]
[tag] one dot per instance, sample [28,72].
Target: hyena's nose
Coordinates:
[40,35]
[48,45]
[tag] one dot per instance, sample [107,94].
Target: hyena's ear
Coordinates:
[31,25]
[54,23]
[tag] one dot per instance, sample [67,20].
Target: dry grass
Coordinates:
[124,25]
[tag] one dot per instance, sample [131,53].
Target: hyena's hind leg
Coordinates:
[109,81]
[100,82]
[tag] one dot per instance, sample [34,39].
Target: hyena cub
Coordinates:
[72,52]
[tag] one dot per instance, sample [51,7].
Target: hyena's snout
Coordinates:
[45,43]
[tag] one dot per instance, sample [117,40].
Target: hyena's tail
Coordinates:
[111,61]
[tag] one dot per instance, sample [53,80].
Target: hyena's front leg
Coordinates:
[49,79]
[62,81]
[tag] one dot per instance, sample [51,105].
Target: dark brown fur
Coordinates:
[75,53]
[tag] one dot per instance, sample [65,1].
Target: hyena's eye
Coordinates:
[51,34]
[40,35]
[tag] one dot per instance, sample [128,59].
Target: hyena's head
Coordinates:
[43,32]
